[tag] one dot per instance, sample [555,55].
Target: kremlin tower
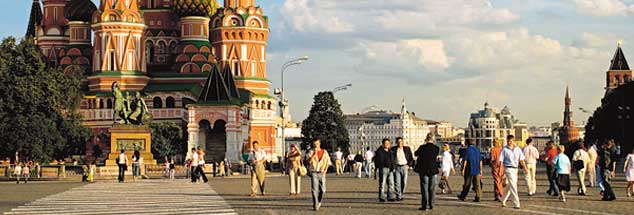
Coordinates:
[568,133]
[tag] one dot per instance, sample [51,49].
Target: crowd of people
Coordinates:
[390,165]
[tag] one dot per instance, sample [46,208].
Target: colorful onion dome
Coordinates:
[204,8]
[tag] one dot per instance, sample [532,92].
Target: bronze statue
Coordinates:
[133,111]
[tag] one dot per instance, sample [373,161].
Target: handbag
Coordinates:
[302,169]
[578,164]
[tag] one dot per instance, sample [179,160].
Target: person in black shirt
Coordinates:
[384,162]
[607,162]
[427,169]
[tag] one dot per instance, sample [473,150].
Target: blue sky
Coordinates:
[445,57]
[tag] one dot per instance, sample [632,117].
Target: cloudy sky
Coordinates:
[445,57]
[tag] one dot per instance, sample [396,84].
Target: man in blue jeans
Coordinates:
[403,160]
[384,162]
[427,169]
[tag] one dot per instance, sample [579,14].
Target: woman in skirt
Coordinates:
[562,163]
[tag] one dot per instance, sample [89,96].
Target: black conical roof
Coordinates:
[215,88]
[618,61]
[230,81]
[34,19]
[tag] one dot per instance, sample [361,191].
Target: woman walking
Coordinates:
[447,169]
[319,162]
[135,165]
[562,163]
[294,158]
[497,170]
[628,168]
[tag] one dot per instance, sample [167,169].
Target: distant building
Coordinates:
[368,129]
[442,129]
[487,124]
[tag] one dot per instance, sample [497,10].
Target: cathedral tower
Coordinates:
[52,35]
[194,50]
[619,73]
[79,49]
[118,47]
[239,35]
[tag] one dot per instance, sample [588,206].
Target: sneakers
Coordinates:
[504,204]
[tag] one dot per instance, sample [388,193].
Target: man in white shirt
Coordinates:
[511,158]
[532,154]
[369,154]
[194,166]
[339,161]
[122,161]
[404,160]
[581,156]
[257,159]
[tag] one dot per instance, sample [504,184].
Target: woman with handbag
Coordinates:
[294,164]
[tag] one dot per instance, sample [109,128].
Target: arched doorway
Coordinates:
[214,139]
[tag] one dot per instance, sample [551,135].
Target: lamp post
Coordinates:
[283,103]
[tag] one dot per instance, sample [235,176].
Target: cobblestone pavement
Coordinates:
[144,197]
[348,195]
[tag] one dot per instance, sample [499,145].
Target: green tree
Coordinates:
[167,137]
[325,121]
[38,105]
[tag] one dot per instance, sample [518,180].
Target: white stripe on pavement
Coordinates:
[160,197]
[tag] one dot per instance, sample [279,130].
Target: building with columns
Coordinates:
[368,129]
[488,124]
[199,64]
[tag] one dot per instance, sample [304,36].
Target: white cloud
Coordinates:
[310,16]
[603,7]
[428,54]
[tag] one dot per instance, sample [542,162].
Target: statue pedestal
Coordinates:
[130,138]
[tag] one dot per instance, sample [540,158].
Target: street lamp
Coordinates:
[340,88]
[283,103]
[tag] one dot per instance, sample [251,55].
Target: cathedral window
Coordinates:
[109,103]
[55,14]
[169,102]
[157,102]
[149,51]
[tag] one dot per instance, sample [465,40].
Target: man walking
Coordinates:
[404,159]
[511,158]
[384,163]
[471,171]
[368,162]
[358,164]
[427,169]
[580,161]
[319,162]
[338,161]
[122,161]
[532,154]
[590,168]
[257,159]
[551,170]
[607,162]
[194,165]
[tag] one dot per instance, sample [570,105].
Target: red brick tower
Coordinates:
[568,132]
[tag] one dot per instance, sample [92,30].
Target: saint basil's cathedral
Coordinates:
[198,64]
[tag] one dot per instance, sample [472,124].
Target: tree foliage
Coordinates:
[38,104]
[325,121]
[167,138]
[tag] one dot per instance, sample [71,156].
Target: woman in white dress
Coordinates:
[447,169]
[628,168]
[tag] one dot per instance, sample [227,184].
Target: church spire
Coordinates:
[34,19]
[567,113]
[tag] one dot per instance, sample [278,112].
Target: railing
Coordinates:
[159,113]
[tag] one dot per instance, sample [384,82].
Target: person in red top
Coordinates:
[497,170]
[319,162]
[551,153]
